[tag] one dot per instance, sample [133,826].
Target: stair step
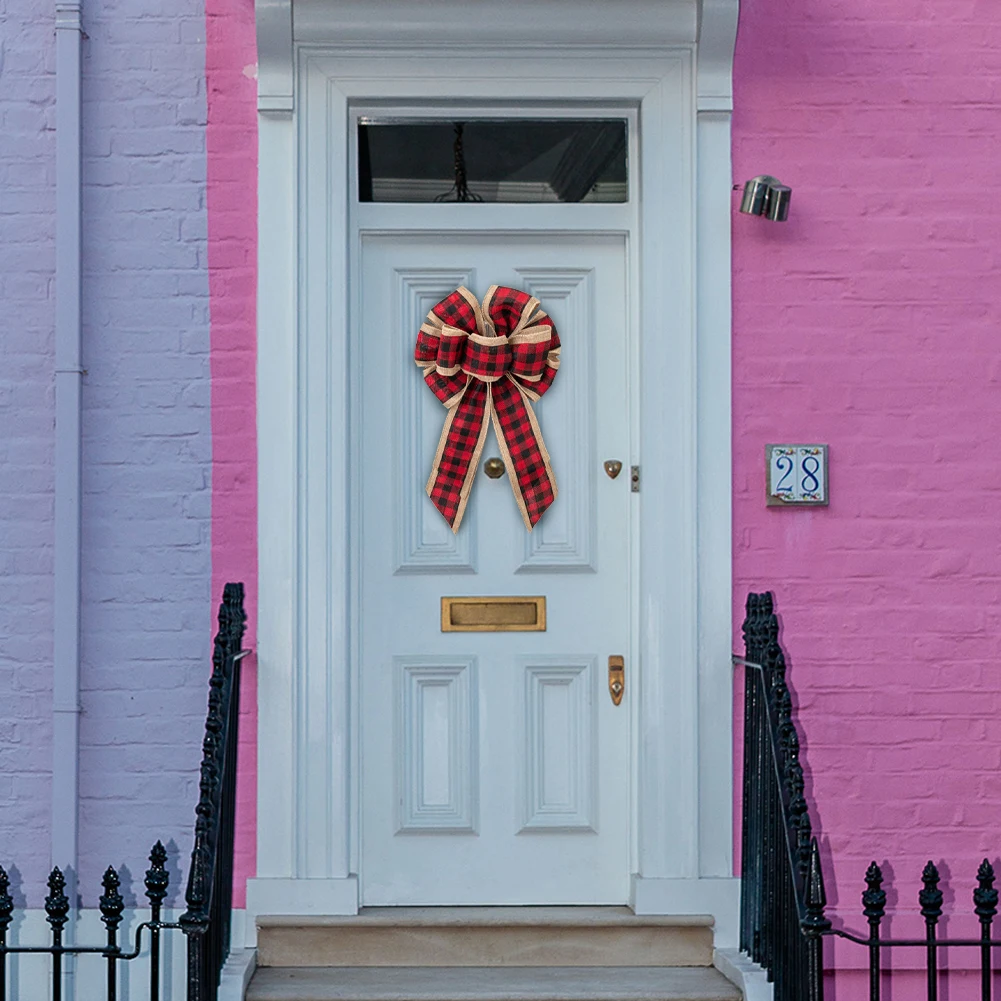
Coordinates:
[486,937]
[491,984]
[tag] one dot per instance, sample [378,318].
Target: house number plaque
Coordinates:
[797,474]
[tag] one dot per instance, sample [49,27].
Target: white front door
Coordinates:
[495,768]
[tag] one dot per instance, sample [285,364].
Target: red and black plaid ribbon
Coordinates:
[488,363]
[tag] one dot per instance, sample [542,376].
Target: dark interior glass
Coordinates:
[553,160]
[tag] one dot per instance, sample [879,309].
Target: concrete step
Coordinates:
[485,937]
[491,984]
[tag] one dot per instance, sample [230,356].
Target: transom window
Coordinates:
[529,160]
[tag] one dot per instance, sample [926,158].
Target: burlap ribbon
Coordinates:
[488,363]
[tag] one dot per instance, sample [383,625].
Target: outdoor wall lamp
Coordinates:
[766,196]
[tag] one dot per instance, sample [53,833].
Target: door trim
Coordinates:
[617,220]
[304,641]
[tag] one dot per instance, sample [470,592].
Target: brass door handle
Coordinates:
[494,468]
[616,678]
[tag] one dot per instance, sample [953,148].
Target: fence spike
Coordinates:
[874,896]
[111,902]
[157,878]
[816,896]
[930,898]
[985,897]
[57,905]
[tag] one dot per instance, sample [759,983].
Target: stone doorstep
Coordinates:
[492,984]
[486,937]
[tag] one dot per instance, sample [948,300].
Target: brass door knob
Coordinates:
[494,468]
[613,467]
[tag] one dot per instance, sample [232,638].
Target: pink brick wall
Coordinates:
[870,321]
[230,69]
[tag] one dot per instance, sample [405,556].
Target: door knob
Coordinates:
[494,468]
[613,467]
[616,678]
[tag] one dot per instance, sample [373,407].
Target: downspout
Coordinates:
[66,645]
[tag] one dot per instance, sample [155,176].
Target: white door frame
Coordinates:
[306,844]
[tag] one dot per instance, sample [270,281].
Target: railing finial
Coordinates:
[874,896]
[985,897]
[815,921]
[930,898]
[157,878]
[111,902]
[57,905]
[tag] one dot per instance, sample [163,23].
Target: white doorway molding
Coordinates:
[708,25]
[671,59]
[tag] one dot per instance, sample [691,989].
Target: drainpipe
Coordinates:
[66,646]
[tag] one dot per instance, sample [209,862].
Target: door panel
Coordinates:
[494,766]
[424,542]
[564,539]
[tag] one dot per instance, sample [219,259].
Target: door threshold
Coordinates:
[572,915]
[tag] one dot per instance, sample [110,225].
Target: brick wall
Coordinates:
[147,614]
[147,617]
[27,254]
[870,321]
[231,76]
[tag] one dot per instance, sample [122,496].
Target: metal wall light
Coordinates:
[766,196]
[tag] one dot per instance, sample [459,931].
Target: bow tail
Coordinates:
[458,454]
[522,449]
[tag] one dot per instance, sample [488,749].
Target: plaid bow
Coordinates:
[487,362]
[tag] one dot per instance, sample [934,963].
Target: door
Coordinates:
[495,767]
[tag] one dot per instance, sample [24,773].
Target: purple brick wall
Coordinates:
[147,608]
[147,437]
[27,253]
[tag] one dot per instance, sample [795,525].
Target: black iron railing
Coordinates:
[206,923]
[782,890]
[782,920]
[209,894]
[57,909]
[930,897]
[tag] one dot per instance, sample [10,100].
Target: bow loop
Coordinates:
[487,358]
[451,350]
[530,353]
[475,359]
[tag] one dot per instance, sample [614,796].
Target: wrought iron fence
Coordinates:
[781,890]
[209,894]
[112,905]
[985,907]
[782,906]
[206,923]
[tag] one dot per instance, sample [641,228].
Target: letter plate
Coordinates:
[493,615]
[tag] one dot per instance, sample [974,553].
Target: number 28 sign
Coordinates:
[797,474]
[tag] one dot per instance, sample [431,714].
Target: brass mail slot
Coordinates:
[493,615]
